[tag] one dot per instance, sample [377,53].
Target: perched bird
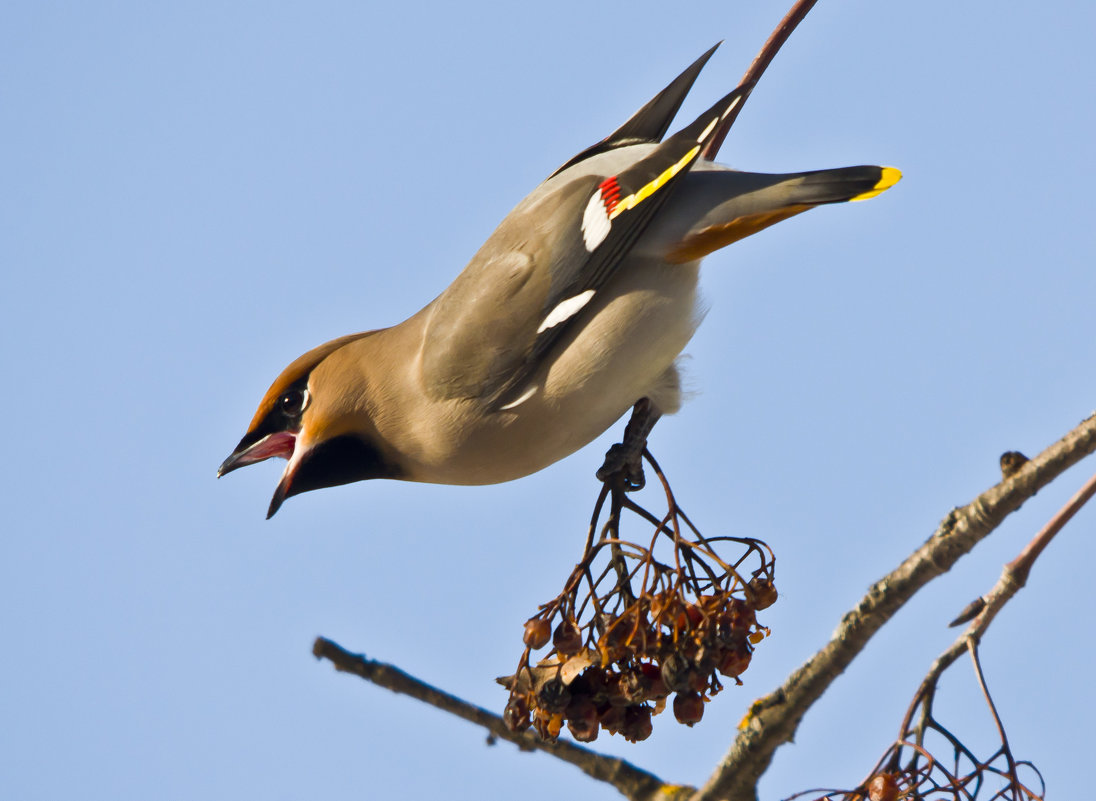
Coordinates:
[574,310]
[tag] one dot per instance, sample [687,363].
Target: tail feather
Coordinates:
[714,208]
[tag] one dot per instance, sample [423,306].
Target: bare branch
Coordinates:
[774,718]
[633,783]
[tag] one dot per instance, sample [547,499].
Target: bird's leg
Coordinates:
[623,465]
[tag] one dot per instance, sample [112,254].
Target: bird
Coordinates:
[575,310]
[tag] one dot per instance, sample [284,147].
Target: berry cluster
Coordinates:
[660,646]
[617,655]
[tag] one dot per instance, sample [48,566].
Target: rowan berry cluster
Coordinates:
[619,657]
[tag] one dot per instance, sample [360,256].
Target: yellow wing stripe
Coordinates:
[646,191]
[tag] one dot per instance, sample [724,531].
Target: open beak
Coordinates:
[257,448]
[311,465]
[254,449]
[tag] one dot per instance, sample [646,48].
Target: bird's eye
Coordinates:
[293,402]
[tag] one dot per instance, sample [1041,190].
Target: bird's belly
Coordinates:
[622,349]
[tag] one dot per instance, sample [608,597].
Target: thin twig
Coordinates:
[1012,579]
[632,782]
[972,649]
[1021,565]
[775,718]
[757,68]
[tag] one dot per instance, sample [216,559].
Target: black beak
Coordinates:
[281,492]
[235,460]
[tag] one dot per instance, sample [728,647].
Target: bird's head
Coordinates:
[312,417]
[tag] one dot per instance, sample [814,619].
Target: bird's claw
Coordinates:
[622,469]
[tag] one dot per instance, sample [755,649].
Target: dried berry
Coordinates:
[612,718]
[614,691]
[567,639]
[883,787]
[677,672]
[634,685]
[688,708]
[656,687]
[692,617]
[698,682]
[537,632]
[516,714]
[637,724]
[738,617]
[626,631]
[763,592]
[582,719]
[736,661]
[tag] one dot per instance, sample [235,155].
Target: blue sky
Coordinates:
[195,194]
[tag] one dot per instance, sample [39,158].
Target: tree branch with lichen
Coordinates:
[632,782]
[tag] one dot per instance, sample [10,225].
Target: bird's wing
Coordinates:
[492,328]
[650,123]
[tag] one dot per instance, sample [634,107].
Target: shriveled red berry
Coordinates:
[739,614]
[656,687]
[637,724]
[694,614]
[698,682]
[613,691]
[734,624]
[629,631]
[567,639]
[763,591]
[884,787]
[735,661]
[634,685]
[688,708]
[582,719]
[612,718]
[537,632]
[677,672]
[516,714]
[584,731]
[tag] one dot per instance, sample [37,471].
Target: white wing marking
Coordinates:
[595,222]
[526,395]
[565,310]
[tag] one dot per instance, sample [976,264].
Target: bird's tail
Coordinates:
[713,208]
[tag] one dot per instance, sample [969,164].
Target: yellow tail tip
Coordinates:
[889,177]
